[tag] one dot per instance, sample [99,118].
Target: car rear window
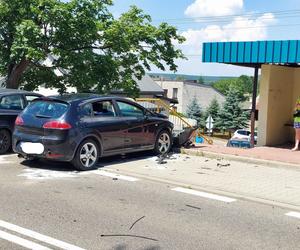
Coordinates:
[47,109]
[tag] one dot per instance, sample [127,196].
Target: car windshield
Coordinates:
[47,109]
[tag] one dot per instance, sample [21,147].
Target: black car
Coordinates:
[80,128]
[12,102]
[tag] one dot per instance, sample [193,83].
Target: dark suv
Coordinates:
[12,102]
[80,128]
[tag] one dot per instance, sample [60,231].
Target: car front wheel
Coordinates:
[5,141]
[86,156]
[163,142]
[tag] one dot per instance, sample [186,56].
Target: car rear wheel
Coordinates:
[163,142]
[86,156]
[5,141]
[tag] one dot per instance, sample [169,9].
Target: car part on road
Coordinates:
[5,141]
[86,156]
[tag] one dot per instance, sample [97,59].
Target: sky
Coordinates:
[220,20]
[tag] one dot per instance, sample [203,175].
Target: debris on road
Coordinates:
[223,165]
[127,235]
[199,208]
[136,222]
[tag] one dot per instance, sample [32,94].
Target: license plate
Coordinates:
[32,148]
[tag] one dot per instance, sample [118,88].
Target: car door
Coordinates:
[136,132]
[10,107]
[100,117]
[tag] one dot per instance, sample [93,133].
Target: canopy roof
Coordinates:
[253,54]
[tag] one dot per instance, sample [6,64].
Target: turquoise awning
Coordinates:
[253,54]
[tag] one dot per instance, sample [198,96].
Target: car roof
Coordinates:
[15,91]
[83,97]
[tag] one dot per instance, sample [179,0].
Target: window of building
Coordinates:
[165,93]
[175,93]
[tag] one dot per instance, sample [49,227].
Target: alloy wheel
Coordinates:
[88,155]
[164,143]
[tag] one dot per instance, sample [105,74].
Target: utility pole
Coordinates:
[253,110]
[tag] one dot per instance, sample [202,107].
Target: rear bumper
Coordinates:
[55,148]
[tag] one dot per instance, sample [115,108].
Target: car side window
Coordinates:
[86,110]
[130,110]
[30,98]
[103,109]
[12,102]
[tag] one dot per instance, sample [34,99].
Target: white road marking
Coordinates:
[44,174]
[112,175]
[5,159]
[204,194]
[38,236]
[293,214]
[22,242]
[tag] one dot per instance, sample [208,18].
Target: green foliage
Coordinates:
[95,50]
[200,80]
[179,78]
[242,84]
[231,116]
[194,111]
[213,109]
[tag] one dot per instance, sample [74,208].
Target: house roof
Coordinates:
[146,85]
[253,54]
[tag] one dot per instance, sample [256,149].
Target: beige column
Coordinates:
[275,109]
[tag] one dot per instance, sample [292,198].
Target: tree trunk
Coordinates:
[15,73]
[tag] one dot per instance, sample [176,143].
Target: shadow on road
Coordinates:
[102,163]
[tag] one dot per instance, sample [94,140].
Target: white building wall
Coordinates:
[187,91]
[204,95]
[170,85]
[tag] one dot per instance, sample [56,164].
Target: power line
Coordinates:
[252,27]
[249,14]
[225,21]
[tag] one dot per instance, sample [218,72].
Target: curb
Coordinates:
[213,155]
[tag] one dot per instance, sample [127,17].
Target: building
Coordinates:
[185,91]
[279,62]
[148,88]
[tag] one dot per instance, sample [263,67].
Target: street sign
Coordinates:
[209,123]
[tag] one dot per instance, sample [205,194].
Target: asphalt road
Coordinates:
[50,206]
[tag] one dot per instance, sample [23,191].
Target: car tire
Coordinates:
[86,156]
[5,141]
[163,143]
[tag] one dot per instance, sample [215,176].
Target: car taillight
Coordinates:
[57,125]
[19,121]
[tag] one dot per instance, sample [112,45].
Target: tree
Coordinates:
[90,49]
[223,85]
[194,111]
[242,84]
[213,109]
[179,78]
[231,116]
[201,80]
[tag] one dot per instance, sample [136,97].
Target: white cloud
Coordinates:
[240,29]
[202,8]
